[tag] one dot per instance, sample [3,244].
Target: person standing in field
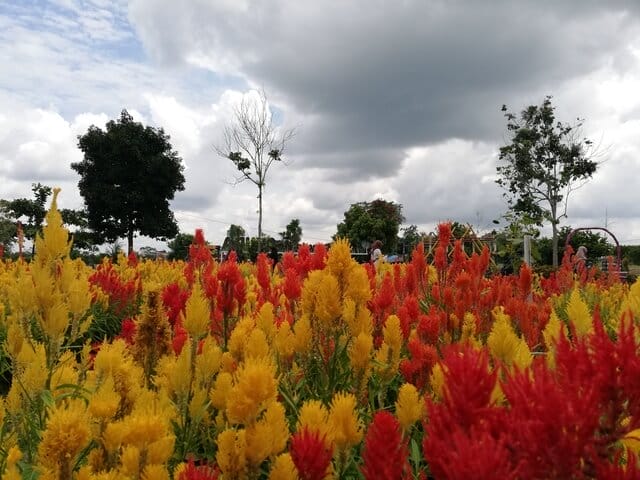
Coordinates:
[376,253]
[580,259]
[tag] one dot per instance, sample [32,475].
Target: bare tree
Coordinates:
[253,143]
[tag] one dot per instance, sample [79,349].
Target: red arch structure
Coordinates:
[618,248]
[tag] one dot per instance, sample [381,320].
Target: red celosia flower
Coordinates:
[319,257]
[292,287]
[128,330]
[310,455]
[202,472]
[385,452]
[263,273]
[174,300]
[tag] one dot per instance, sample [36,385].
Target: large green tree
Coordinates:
[253,142]
[127,178]
[365,222]
[543,161]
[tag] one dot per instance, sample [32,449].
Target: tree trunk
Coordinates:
[259,218]
[554,230]
[130,241]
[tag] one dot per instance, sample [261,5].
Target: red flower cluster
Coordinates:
[385,452]
[310,455]
[561,423]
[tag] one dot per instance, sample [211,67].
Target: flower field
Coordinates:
[319,368]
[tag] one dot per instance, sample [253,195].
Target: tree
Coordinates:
[179,246]
[253,143]
[236,240]
[128,175]
[542,163]
[365,222]
[292,235]
[409,239]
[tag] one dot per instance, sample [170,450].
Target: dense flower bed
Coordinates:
[319,368]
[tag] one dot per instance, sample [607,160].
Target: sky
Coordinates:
[398,100]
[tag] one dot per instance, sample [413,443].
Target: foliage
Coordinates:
[365,222]
[179,246]
[127,177]
[542,163]
[292,235]
[409,239]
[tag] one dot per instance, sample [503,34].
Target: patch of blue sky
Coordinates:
[96,25]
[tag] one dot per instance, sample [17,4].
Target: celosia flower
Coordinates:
[505,345]
[385,453]
[283,468]
[345,427]
[314,416]
[310,455]
[360,352]
[196,318]
[255,387]
[409,406]
[231,455]
[578,314]
[202,472]
[66,434]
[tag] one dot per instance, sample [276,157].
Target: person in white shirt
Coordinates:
[376,253]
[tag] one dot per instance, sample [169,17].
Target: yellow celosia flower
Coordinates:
[357,286]
[302,333]
[196,318]
[360,352]
[208,361]
[65,436]
[409,406]
[257,345]
[314,416]
[232,454]
[265,320]
[198,405]
[220,391]
[632,441]
[54,242]
[328,306]
[339,262]
[238,338]
[154,472]
[436,381]
[104,402]
[392,334]
[254,388]
[131,461]
[158,452]
[578,313]
[285,341]
[505,345]
[551,334]
[11,471]
[15,339]
[345,427]
[283,468]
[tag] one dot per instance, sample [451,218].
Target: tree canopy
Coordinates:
[365,222]
[127,178]
[292,235]
[543,161]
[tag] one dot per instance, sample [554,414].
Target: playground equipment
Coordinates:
[618,264]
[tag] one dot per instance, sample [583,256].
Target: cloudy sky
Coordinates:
[397,100]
